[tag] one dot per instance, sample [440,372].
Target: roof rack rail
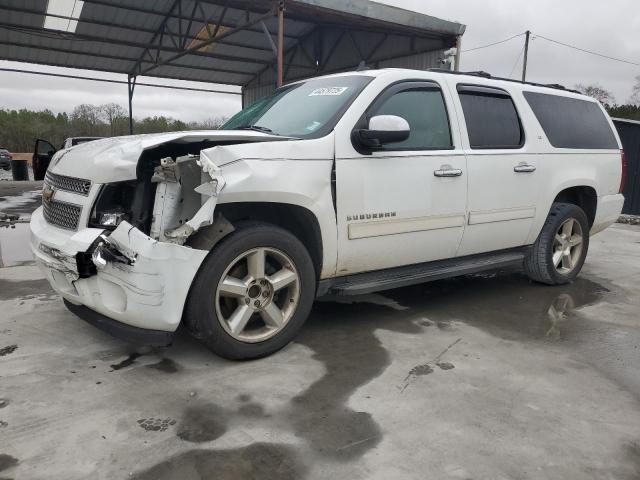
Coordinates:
[478,73]
[482,74]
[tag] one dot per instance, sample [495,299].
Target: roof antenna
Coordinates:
[362,66]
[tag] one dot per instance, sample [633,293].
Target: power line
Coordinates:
[574,47]
[587,51]
[493,44]
[516,64]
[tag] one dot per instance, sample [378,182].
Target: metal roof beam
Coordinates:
[103,23]
[127,43]
[332,49]
[134,8]
[340,69]
[376,29]
[210,41]
[300,43]
[125,59]
[110,80]
[376,47]
[124,72]
[159,33]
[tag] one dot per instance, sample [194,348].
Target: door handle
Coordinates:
[524,168]
[447,171]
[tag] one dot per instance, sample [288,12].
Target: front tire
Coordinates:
[561,248]
[253,292]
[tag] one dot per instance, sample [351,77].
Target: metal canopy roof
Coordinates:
[223,41]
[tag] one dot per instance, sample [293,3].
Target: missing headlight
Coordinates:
[113,205]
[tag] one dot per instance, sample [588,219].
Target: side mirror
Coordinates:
[384,129]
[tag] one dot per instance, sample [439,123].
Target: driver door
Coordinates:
[405,202]
[43,151]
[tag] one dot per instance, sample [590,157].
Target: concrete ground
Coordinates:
[482,377]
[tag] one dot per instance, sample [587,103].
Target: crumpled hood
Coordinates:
[115,159]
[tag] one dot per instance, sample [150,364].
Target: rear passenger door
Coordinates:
[502,180]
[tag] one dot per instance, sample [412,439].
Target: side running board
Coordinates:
[420,273]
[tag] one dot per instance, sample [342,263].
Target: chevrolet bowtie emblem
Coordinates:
[47,193]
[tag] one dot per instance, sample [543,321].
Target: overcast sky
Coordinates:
[610,28]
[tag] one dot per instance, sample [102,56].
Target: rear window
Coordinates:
[491,118]
[571,122]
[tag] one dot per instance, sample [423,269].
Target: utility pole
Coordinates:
[526,55]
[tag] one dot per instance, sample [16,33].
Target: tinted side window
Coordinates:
[425,111]
[571,122]
[491,118]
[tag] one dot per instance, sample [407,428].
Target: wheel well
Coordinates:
[584,197]
[300,221]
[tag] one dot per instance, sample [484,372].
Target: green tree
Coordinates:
[117,119]
[635,93]
[630,112]
[20,128]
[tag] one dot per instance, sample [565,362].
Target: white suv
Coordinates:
[342,184]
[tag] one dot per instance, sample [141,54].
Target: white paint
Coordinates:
[383,227]
[488,207]
[388,123]
[501,215]
[115,159]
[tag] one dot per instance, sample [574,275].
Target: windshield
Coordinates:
[308,109]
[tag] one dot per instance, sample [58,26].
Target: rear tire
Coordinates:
[253,292]
[561,248]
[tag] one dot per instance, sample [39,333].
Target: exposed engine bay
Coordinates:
[155,206]
[174,197]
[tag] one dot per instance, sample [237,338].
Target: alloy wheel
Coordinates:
[257,294]
[567,246]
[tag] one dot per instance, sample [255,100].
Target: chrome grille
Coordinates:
[61,214]
[69,184]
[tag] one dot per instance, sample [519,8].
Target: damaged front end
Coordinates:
[126,223]
[145,276]
[136,260]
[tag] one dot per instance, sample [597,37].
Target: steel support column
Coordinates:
[456,63]
[280,43]
[131,85]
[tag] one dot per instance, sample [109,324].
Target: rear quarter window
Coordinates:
[572,122]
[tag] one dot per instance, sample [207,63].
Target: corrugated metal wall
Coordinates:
[420,61]
[630,136]
[332,49]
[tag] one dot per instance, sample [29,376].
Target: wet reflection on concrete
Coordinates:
[258,461]
[20,197]
[506,304]
[14,245]
[349,336]
[341,330]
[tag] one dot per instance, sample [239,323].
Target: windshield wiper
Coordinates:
[257,128]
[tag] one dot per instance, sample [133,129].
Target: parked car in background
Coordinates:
[5,159]
[344,184]
[44,150]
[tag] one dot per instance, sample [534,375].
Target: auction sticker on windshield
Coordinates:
[328,91]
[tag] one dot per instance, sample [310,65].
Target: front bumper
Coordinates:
[140,336]
[149,294]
